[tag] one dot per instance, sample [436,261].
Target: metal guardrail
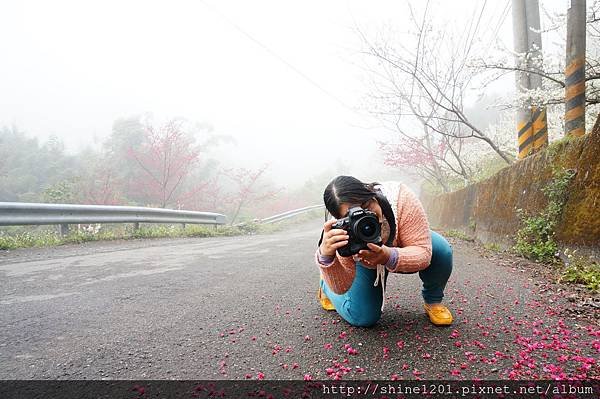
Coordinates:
[289,214]
[19,213]
[284,215]
[22,213]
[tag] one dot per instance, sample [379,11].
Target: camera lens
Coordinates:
[367,228]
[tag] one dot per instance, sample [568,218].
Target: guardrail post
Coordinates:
[183,226]
[136,226]
[63,229]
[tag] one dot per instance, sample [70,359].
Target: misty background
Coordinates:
[278,92]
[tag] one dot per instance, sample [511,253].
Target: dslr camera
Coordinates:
[362,227]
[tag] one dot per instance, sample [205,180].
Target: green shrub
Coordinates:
[472,223]
[535,239]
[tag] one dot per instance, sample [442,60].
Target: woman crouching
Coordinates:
[348,284]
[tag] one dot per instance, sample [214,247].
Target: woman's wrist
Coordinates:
[392,260]
[322,254]
[324,259]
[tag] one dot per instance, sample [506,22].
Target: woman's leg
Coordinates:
[436,275]
[361,304]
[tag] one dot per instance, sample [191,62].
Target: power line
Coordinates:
[280,58]
[504,14]
[468,50]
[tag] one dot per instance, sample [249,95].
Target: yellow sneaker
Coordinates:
[438,314]
[325,302]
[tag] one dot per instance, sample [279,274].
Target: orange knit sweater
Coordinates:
[412,242]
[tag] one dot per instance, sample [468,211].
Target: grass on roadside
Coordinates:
[492,246]
[459,234]
[581,270]
[578,269]
[49,239]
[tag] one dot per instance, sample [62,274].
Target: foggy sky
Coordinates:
[70,68]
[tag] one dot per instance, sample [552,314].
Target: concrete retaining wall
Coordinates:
[487,210]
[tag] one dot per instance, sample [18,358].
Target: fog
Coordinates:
[282,78]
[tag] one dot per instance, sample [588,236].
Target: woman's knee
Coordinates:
[441,248]
[362,314]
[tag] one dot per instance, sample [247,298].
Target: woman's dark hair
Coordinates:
[350,190]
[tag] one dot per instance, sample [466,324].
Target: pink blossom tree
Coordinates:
[165,159]
[248,188]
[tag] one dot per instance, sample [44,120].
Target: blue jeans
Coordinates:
[361,304]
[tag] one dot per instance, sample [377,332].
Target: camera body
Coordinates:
[362,227]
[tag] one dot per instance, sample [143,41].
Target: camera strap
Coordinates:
[323,231]
[381,279]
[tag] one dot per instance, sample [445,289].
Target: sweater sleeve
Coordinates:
[413,235]
[338,274]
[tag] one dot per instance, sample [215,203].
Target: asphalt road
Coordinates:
[246,307]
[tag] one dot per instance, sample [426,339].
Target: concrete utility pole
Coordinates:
[521,44]
[531,121]
[575,70]
[535,62]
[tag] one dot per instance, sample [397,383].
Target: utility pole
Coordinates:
[575,70]
[531,120]
[535,63]
[521,44]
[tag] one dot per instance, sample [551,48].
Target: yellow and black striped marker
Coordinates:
[540,128]
[575,98]
[525,133]
[533,131]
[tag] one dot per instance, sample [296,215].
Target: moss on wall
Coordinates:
[488,209]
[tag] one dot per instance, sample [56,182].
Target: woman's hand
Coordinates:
[375,255]
[332,239]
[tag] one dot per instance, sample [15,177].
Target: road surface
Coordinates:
[246,307]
